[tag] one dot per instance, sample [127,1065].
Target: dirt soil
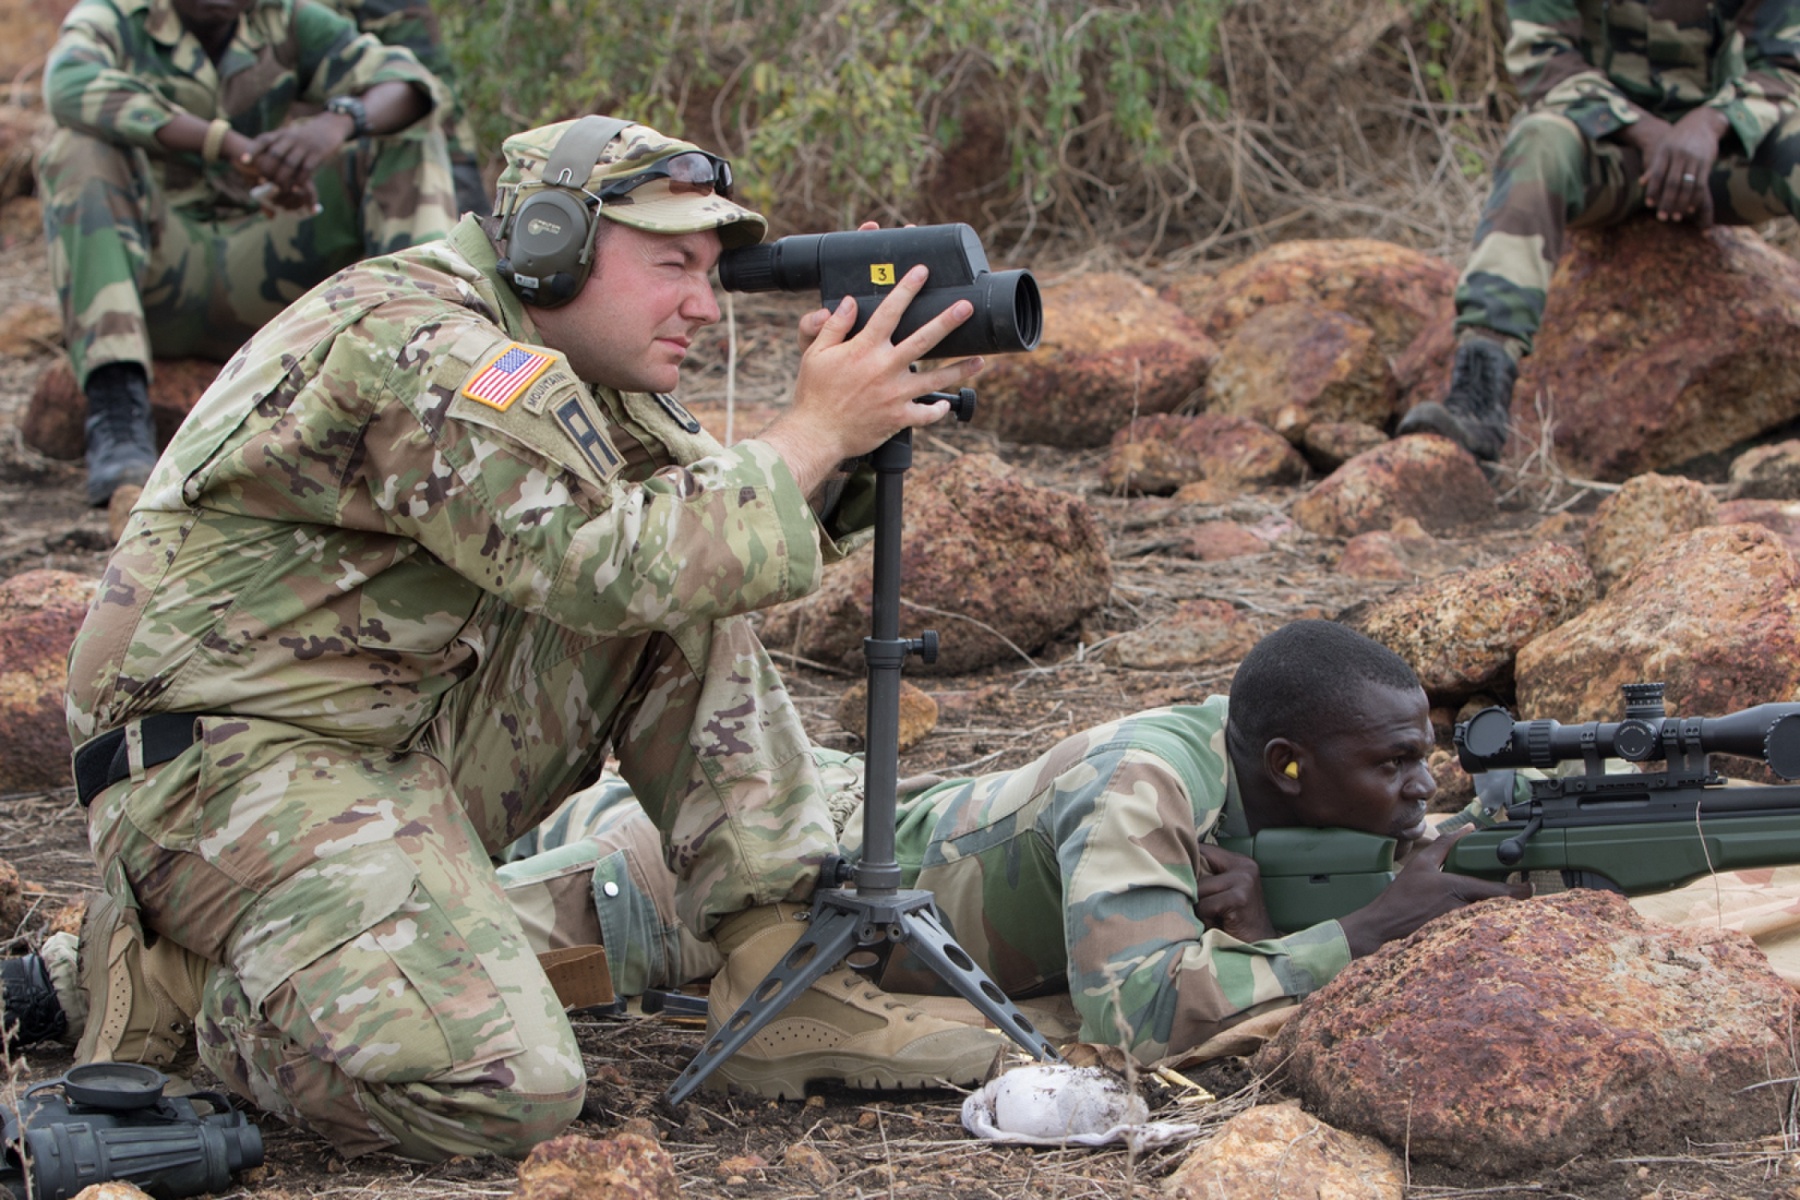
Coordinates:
[897,1144]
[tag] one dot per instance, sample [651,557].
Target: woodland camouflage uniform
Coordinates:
[150,249]
[1075,872]
[411,621]
[1581,65]
[412,24]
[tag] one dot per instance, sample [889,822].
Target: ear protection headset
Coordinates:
[550,237]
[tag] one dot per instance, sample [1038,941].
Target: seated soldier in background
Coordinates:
[1163,940]
[183,208]
[1688,110]
[412,24]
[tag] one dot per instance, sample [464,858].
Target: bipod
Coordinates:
[876,910]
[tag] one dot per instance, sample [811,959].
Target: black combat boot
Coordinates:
[121,438]
[1475,410]
[29,1008]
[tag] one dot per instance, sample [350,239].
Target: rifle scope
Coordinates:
[867,263]
[1767,732]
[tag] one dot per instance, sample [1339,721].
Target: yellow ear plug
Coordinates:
[1292,770]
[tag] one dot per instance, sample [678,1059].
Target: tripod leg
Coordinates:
[830,936]
[925,936]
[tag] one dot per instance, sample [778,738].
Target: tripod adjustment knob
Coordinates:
[925,646]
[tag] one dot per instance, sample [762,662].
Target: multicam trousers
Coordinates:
[373,982]
[1550,177]
[138,279]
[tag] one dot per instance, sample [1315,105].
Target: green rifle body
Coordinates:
[1314,875]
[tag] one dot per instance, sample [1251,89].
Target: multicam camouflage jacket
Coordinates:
[1599,61]
[311,546]
[121,69]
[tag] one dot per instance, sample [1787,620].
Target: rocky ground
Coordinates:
[902,1144]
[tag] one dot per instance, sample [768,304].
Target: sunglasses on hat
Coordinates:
[692,172]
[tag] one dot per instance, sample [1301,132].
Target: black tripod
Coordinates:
[876,910]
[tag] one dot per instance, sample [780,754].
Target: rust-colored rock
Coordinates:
[1328,445]
[806,1162]
[1278,1152]
[1715,615]
[1405,551]
[1198,631]
[1290,365]
[1428,478]
[1517,1035]
[1455,787]
[1647,512]
[1463,631]
[1779,517]
[1112,349]
[918,712]
[1660,343]
[53,422]
[1160,454]
[627,1166]
[1391,289]
[31,27]
[996,565]
[1215,541]
[40,612]
[1766,473]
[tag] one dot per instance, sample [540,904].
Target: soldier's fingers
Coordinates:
[836,327]
[887,314]
[927,336]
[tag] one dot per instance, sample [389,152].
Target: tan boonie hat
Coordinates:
[654,206]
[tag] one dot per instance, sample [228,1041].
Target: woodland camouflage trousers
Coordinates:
[1550,178]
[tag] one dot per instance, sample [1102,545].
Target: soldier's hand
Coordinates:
[1230,897]
[1678,166]
[287,157]
[1422,890]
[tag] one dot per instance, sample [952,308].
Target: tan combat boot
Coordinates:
[141,1002]
[842,1028]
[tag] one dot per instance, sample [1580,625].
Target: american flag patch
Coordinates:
[505,377]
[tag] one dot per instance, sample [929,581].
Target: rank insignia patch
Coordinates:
[587,437]
[507,375]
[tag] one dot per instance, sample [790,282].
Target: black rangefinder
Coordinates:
[867,263]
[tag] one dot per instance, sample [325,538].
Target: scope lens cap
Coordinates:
[115,1086]
[1781,746]
[1488,732]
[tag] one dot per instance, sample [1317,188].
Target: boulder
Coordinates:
[1462,632]
[918,713]
[1160,454]
[1766,473]
[1512,1036]
[54,421]
[1328,445]
[1278,1152]
[1428,478]
[28,329]
[1714,614]
[1198,631]
[1112,350]
[40,612]
[1404,551]
[1647,512]
[1660,343]
[1289,365]
[1779,517]
[627,1166]
[996,565]
[1394,291]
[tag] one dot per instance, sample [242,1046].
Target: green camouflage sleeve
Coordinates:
[336,60]
[1144,970]
[1547,57]
[530,501]
[89,84]
[1760,95]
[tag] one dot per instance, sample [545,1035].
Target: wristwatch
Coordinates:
[353,108]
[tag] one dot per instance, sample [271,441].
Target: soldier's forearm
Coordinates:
[394,105]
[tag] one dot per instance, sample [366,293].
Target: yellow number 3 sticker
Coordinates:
[881,274]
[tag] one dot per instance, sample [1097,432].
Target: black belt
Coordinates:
[102,761]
